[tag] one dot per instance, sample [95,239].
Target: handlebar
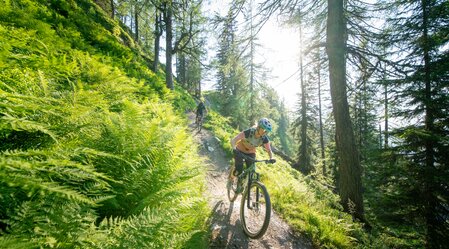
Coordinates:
[254,160]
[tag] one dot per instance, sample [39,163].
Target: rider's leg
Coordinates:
[252,156]
[238,160]
[199,115]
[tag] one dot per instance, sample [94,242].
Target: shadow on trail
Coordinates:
[224,234]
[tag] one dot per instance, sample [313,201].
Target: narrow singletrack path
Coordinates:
[226,230]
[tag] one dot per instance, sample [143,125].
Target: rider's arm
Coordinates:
[237,138]
[267,147]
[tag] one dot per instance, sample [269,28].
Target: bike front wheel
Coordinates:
[255,210]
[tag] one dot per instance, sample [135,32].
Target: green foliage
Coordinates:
[308,206]
[221,128]
[91,155]
[182,100]
[412,174]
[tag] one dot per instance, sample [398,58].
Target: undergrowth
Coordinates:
[309,207]
[91,154]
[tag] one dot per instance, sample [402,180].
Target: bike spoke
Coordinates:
[255,213]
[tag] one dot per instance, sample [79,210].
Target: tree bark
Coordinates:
[157,39]
[350,183]
[136,23]
[112,9]
[181,71]
[386,116]
[428,192]
[304,158]
[168,48]
[320,116]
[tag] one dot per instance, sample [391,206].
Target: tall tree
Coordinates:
[350,182]
[186,14]
[364,99]
[302,123]
[283,130]
[350,173]
[320,111]
[168,20]
[419,38]
[252,69]
[112,9]
[158,31]
[232,78]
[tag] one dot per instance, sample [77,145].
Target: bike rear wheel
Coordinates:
[232,185]
[200,124]
[255,210]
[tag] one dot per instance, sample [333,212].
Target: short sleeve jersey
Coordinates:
[251,142]
[200,108]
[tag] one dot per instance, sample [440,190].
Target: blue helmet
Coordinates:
[265,124]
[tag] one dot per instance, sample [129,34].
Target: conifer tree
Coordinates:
[232,77]
[418,36]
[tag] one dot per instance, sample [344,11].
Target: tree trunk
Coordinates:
[157,39]
[136,23]
[182,71]
[428,192]
[112,9]
[320,116]
[386,116]
[350,183]
[304,157]
[168,48]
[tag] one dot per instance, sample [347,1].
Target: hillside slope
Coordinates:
[225,224]
[93,153]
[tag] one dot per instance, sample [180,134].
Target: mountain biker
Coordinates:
[200,109]
[248,140]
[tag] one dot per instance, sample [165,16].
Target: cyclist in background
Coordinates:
[200,109]
[248,140]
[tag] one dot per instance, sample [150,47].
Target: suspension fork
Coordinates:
[252,176]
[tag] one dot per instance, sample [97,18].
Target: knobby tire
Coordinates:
[199,123]
[255,220]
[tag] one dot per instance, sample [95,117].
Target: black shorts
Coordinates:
[238,159]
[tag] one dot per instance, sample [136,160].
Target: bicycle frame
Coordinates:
[199,121]
[255,205]
[252,175]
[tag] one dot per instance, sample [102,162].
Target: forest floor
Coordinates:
[226,230]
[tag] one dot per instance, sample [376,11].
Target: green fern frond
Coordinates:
[6,86]
[32,186]
[14,242]
[21,124]
[89,152]
[41,172]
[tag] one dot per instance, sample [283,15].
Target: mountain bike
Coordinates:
[199,122]
[255,207]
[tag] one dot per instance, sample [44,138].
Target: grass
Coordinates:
[305,204]
[93,151]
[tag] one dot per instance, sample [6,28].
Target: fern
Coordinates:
[20,124]
[12,242]
[45,176]
[85,136]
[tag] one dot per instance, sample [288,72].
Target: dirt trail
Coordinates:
[225,224]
